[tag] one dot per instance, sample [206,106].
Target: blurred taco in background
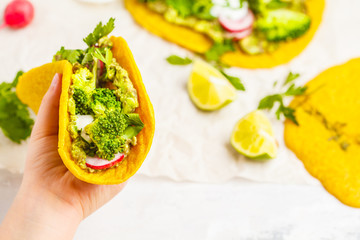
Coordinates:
[106,119]
[242,33]
[327,139]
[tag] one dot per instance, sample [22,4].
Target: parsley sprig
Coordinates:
[235,81]
[99,32]
[87,56]
[15,120]
[268,102]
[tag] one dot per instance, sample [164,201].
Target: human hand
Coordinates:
[50,196]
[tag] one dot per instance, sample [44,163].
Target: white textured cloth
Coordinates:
[189,145]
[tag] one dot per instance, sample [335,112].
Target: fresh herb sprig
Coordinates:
[87,56]
[15,120]
[268,102]
[176,60]
[99,32]
[235,81]
[218,49]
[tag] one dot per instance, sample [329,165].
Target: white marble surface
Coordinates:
[155,208]
[191,146]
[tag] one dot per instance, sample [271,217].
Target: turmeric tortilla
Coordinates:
[199,43]
[41,78]
[327,139]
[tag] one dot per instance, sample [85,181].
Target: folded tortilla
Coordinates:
[33,85]
[199,43]
[327,139]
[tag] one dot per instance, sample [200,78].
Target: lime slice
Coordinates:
[208,88]
[253,136]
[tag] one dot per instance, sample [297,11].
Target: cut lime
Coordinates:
[208,88]
[253,136]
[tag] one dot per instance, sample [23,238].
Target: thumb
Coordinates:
[47,121]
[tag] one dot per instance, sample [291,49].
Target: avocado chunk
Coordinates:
[283,24]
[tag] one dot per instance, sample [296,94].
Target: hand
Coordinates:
[50,195]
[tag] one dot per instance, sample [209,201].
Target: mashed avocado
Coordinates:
[101,103]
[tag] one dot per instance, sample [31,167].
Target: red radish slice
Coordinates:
[231,25]
[99,163]
[101,68]
[18,14]
[241,35]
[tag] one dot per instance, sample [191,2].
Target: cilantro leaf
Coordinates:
[176,60]
[218,49]
[295,91]
[135,125]
[16,80]
[107,60]
[72,56]
[15,120]
[88,57]
[235,81]
[99,32]
[269,101]
[289,113]
[291,77]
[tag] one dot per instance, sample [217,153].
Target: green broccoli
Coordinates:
[106,132]
[82,102]
[83,86]
[104,99]
[283,24]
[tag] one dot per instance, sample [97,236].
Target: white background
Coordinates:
[164,201]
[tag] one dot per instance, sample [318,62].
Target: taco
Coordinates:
[243,33]
[106,120]
[327,139]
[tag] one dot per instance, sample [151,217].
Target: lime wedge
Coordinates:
[253,136]
[208,88]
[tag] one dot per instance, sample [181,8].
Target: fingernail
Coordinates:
[55,81]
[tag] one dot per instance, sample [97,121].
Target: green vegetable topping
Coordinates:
[176,60]
[15,120]
[99,32]
[219,49]
[268,102]
[235,81]
[283,24]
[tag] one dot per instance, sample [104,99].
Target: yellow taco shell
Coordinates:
[197,42]
[33,85]
[327,140]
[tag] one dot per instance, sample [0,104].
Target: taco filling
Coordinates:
[254,26]
[101,105]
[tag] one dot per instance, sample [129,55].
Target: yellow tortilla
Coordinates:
[327,140]
[200,43]
[34,84]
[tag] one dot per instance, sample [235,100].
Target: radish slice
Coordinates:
[99,163]
[240,35]
[237,25]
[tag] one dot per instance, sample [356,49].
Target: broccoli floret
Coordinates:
[106,132]
[283,24]
[83,86]
[82,102]
[104,99]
